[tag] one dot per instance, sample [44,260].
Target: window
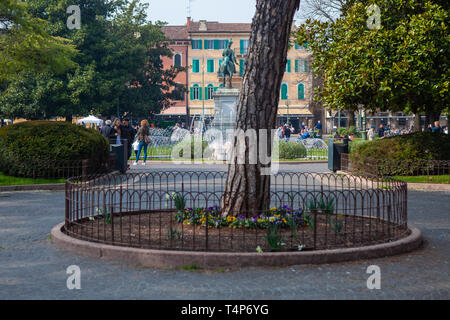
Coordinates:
[301,66]
[209,92]
[301,91]
[196,93]
[220,44]
[288,66]
[195,66]
[241,67]
[244,46]
[177,60]
[196,44]
[210,66]
[209,44]
[284,91]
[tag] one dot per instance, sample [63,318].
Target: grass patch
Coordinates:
[445,178]
[192,267]
[11,181]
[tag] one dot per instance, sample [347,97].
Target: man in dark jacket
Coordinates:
[127,133]
[381,131]
[106,129]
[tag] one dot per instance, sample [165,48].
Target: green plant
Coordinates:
[104,212]
[274,238]
[406,155]
[326,207]
[173,234]
[192,267]
[30,148]
[192,144]
[291,150]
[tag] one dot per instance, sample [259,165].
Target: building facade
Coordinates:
[204,42]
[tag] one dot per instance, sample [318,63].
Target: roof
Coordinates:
[203,26]
[175,32]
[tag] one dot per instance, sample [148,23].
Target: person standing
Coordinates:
[128,134]
[106,129]
[371,133]
[319,129]
[381,131]
[143,140]
[437,128]
[287,133]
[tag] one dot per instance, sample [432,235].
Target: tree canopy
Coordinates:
[401,65]
[119,64]
[25,44]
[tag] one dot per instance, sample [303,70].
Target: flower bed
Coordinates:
[282,217]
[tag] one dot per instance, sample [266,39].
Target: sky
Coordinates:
[175,12]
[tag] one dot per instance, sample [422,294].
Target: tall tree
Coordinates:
[26,46]
[403,64]
[247,188]
[119,64]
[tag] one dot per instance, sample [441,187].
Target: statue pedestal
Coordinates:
[226,101]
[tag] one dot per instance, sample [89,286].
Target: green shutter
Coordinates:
[192,93]
[200,93]
[226,43]
[241,67]
[209,66]
[306,65]
[215,89]
[216,44]
[195,66]
[301,91]
[242,47]
[206,44]
[284,91]
[200,42]
[296,66]
[288,66]
[206,93]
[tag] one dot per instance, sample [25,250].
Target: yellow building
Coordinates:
[208,40]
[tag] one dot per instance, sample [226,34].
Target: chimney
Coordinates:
[188,22]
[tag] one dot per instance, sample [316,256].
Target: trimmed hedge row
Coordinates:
[26,145]
[292,150]
[401,155]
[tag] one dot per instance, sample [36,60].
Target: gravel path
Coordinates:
[32,268]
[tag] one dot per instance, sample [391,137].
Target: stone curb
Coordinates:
[429,186]
[210,260]
[34,187]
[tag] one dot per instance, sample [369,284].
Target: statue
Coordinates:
[228,64]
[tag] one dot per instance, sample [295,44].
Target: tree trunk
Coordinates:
[350,118]
[69,118]
[417,124]
[247,189]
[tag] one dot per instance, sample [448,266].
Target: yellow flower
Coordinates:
[273,209]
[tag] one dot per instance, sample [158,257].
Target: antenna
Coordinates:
[188,8]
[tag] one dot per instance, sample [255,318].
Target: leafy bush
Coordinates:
[291,150]
[25,145]
[401,155]
[349,131]
[180,147]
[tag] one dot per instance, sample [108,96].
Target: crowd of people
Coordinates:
[284,132]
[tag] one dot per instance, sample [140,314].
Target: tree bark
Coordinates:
[417,124]
[247,190]
[350,118]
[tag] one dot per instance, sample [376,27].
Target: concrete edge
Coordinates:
[429,186]
[34,187]
[211,260]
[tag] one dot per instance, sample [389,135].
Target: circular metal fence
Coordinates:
[183,211]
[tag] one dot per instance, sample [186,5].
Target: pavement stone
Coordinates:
[32,268]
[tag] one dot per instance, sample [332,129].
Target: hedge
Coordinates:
[401,155]
[291,150]
[25,145]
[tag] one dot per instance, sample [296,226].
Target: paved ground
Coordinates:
[32,268]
